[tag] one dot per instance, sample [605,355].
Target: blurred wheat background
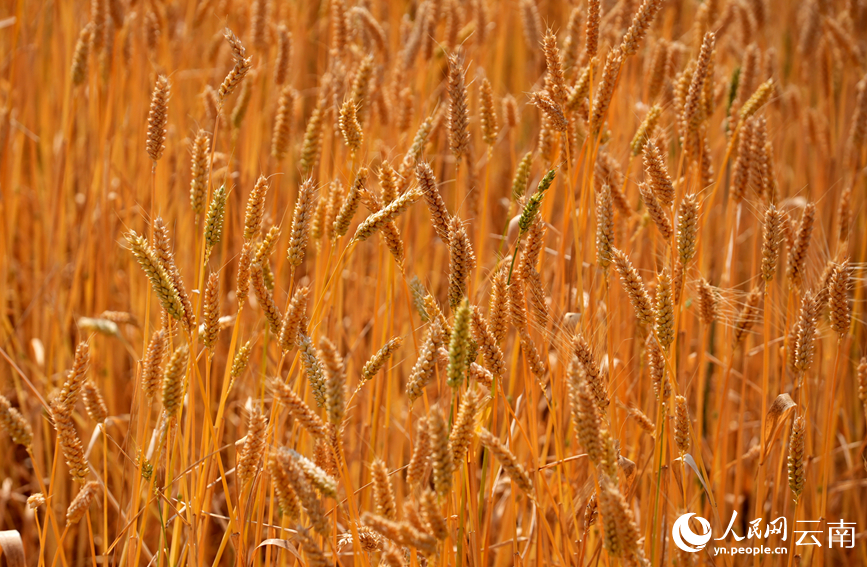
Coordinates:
[441,282]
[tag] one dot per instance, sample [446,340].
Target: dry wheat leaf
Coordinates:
[687,458]
[777,414]
[12,548]
[283,544]
[629,469]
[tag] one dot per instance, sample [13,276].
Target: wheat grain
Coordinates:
[441,458]
[435,204]
[681,425]
[532,23]
[322,480]
[459,135]
[664,309]
[657,212]
[772,238]
[553,113]
[797,258]
[487,114]
[350,127]
[804,346]
[163,248]
[658,68]
[254,446]
[660,182]
[796,466]
[283,123]
[694,110]
[79,55]
[350,204]
[645,130]
[94,403]
[383,493]
[571,43]
[243,103]
[158,118]
[433,516]
[372,367]
[605,91]
[300,411]
[266,299]
[400,532]
[510,111]
[487,343]
[583,354]
[462,430]
[481,375]
[334,382]
[522,176]
[619,527]
[76,377]
[531,209]
[708,300]
[642,420]
[70,443]
[421,452]
[312,144]
[656,366]
[687,228]
[462,261]
[640,24]
[382,218]
[459,346]
[508,461]
[150,374]
[555,80]
[302,487]
[747,316]
[591,512]
[242,282]
[211,311]
[295,321]
[604,226]
[634,287]
[201,150]
[312,552]
[757,100]
[591,36]
[284,54]
[410,160]
[300,222]
[242,358]
[35,501]
[839,286]
[287,500]
[174,379]
[243,65]
[82,501]
[14,424]
[585,417]
[215,218]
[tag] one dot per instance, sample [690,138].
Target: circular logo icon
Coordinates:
[685,538]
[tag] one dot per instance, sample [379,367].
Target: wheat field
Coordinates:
[433,283]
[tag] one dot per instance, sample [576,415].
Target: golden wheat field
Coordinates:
[433,283]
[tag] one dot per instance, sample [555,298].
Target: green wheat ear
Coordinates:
[535,203]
